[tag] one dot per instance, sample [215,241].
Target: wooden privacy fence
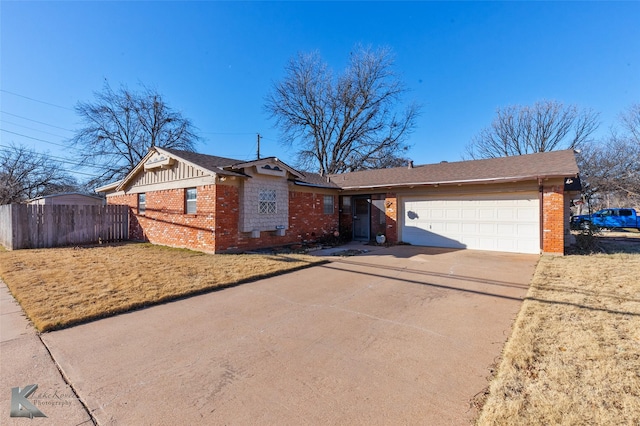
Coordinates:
[39,226]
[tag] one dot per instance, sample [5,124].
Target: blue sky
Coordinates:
[216,61]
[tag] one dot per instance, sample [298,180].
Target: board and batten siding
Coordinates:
[179,175]
[180,171]
[41,226]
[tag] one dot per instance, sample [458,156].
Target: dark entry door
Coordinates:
[361,217]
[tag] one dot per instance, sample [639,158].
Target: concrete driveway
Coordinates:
[25,361]
[400,335]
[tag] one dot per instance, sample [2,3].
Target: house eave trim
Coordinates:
[266,160]
[455,182]
[108,187]
[314,185]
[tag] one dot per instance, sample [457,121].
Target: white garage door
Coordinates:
[498,223]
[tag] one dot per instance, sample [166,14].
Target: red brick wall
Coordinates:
[307,222]
[227,217]
[165,223]
[214,227]
[131,200]
[391,210]
[553,219]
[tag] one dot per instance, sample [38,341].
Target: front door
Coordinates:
[361,216]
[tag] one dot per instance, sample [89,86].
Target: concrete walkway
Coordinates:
[26,361]
[399,335]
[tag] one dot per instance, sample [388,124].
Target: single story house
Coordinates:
[513,204]
[68,198]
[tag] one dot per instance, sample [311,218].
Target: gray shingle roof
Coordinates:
[504,169]
[315,179]
[209,162]
[218,165]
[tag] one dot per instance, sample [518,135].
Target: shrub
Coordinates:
[587,239]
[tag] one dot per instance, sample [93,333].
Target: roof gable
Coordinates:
[268,166]
[161,158]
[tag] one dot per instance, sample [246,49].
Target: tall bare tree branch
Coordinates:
[120,127]
[26,174]
[610,168]
[345,122]
[541,127]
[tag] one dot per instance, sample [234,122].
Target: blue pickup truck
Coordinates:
[607,218]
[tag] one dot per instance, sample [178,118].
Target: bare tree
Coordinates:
[345,122]
[26,174]
[120,127]
[630,121]
[610,169]
[544,126]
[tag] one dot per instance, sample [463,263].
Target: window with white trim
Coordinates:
[190,196]
[267,201]
[142,203]
[328,204]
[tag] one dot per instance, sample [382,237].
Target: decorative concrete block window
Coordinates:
[142,203]
[190,195]
[267,201]
[328,204]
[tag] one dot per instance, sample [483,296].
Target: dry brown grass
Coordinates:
[65,286]
[574,355]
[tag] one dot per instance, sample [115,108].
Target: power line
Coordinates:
[62,159]
[36,100]
[227,133]
[65,161]
[36,121]
[35,139]
[77,162]
[31,128]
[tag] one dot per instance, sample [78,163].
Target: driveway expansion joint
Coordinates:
[92,419]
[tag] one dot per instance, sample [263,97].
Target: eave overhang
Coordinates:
[505,179]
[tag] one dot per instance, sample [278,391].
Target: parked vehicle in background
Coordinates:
[607,218]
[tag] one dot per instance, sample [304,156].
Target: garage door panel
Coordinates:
[503,223]
[507,245]
[507,229]
[436,213]
[486,213]
[527,214]
[486,228]
[523,230]
[452,227]
[437,240]
[436,227]
[488,243]
[470,228]
[469,214]
[506,213]
[452,214]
